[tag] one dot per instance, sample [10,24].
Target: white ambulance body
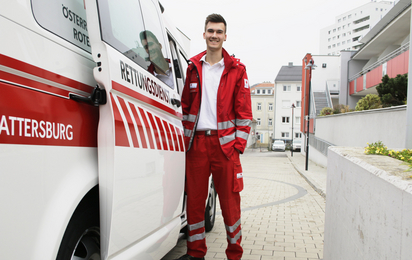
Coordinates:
[91,142]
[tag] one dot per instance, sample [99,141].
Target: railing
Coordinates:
[313,103]
[319,144]
[386,58]
[329,99]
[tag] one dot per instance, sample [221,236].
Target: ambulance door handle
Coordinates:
[176,102]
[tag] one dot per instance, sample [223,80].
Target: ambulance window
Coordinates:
[183,62]
[65,18]
[136,34]
[177,66]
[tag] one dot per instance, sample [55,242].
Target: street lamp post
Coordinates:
[309,67]
[291,150]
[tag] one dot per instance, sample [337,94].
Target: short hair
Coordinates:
[147,33]
[215,18]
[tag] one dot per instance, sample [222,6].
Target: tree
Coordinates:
[393,91]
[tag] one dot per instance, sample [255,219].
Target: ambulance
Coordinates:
[92,160]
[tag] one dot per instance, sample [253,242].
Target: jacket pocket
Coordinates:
[238,177]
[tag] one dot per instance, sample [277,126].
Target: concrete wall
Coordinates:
[368,207]
[358,128]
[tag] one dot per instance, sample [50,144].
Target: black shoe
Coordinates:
[189,257]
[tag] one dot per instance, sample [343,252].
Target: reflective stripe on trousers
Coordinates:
[196,237]
[233,236]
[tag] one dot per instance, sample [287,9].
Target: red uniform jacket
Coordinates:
[234,113]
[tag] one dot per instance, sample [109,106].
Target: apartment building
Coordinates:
[288,90]
[263,111]
[350,27]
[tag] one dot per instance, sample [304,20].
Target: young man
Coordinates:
[216,117]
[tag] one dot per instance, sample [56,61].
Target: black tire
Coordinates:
[210,212]
[81,240]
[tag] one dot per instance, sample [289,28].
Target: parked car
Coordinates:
[296,145]
[278,145]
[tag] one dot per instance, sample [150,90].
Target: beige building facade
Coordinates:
[263,112]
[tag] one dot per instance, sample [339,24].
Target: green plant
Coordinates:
[337,109]
[326,111]
[370,101]
[379,148]
[393,91]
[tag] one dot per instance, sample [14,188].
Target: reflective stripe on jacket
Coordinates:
[234,113]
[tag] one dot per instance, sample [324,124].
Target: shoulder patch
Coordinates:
[246,83]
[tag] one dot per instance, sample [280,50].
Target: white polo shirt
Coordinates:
[210,85]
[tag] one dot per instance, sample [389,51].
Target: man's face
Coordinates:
[215,35]
[152,48]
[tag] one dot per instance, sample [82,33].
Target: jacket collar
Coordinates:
[226,57]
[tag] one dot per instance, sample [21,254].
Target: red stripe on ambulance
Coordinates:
[120,136]
[25,118]
[45,74]
[139,126]
[149,131]
[129,122]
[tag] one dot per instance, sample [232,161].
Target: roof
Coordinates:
[289,73]
[263,85]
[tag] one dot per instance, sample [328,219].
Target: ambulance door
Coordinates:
[140,137]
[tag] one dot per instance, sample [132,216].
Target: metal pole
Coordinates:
[408,141]
[307,131]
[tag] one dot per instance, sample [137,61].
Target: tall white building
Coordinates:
[288,92]
[351,26]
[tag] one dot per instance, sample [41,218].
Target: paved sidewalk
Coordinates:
[282,215]
[315,175]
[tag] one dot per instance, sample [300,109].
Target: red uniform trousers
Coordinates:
[206,157]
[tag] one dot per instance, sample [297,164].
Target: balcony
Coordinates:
[392,64]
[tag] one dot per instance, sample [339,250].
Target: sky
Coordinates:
[264,34]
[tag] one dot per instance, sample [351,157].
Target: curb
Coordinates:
[308,180]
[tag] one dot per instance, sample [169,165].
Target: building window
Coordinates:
[258,121]
[286,103]
[287,88]
[259,106]
[270,106]
[285,134]
[269,91]
[298,103]
[270,121]
[285,119]
[263,91]
[298,135]
[258,91]
[384,69]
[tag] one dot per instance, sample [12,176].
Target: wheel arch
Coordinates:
[57,217]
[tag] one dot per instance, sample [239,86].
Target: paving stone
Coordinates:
[282,214]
